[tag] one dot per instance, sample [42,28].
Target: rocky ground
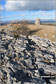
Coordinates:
[26,61]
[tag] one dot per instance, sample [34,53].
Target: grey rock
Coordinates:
[23,61]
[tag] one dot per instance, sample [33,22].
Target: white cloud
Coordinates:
[14,15]
[30,5]
[1,8]
[42,14]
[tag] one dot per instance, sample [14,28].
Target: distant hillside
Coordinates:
[30,22]
[50,22]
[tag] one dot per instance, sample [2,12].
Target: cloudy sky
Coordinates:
[27,9]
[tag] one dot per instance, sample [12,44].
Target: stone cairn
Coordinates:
[37,22]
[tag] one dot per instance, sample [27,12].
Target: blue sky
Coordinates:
[15,10]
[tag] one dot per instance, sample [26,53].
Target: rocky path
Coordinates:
[31,62]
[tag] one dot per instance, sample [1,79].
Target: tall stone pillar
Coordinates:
[37,22]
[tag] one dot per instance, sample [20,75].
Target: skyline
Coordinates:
[12,10]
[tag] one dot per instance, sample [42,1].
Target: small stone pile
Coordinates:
[27,60]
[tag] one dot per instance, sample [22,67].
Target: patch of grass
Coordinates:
[21,30]
[45,29]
